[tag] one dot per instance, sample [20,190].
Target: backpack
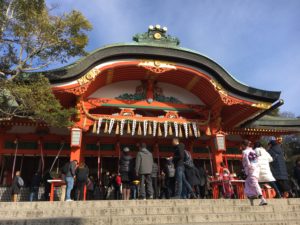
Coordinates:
[20,182]
[171,170]
[188,160]
[118,180]
[66,168]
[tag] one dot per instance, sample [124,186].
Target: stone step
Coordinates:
[259,218]
[175,212]
[129,211]
[140,203]
[85,221]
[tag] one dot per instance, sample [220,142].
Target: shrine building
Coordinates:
[149,90]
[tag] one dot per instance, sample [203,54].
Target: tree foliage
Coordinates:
[31,100]
[31,38]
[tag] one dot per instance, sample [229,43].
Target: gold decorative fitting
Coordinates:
[227,99]
[157,36]
[157,66]
[89,76]
[78,90]
[262,105]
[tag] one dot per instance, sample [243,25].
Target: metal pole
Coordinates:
[57,168]
[21,166]
[99,162]
[62,145]
[42,158]
[15,158]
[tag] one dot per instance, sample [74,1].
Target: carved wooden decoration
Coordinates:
[157,66]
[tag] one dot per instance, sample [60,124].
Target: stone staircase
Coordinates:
[175,212]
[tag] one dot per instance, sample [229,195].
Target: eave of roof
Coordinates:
[277,123]
[159,52]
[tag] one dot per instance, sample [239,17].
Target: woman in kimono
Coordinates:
[251,168]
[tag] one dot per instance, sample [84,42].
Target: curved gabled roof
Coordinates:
[165,49]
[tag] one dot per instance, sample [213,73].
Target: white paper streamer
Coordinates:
[99,125]
[194,125]
[154,128]
[185,126]
[122,127]
[133,127]
[111,125]
[145,127]
[166,128]
[176,129]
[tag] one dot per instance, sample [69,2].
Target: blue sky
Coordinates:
[257,41]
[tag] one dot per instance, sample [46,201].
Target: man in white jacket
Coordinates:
[265,174]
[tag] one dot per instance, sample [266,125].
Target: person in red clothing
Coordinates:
[226,184]
[117,182]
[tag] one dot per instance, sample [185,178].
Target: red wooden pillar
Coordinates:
[76,153]
[217,156]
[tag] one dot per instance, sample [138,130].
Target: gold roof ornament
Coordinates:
[262,105]
[157,66]
[89,76]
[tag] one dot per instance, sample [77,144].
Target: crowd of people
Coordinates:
[179,178]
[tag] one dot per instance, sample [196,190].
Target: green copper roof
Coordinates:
[276,122]
[156,44]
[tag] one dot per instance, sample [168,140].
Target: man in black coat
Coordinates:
[297,171]
[34,186]
[178,160]
[106,182]
[203,182]
[125,169]
[278,167]
[82,174]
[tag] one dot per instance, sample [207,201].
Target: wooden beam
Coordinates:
[109,76]
[192,83]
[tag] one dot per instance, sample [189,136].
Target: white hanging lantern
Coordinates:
[76,134]
[220,143]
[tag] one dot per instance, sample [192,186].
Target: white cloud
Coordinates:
[256,41]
